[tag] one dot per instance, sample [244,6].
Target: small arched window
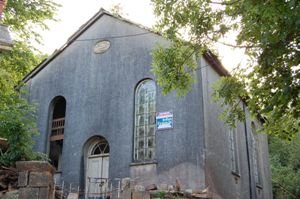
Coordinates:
[144,133]
[100,148]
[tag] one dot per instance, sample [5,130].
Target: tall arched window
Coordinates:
[57,131]
[144,133]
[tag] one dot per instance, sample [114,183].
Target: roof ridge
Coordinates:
[209,55]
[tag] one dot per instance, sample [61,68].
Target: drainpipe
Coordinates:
[5,39]
[248,153]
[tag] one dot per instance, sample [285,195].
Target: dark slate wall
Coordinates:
[219,177]
[99,91]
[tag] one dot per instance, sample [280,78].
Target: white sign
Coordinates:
[164,120]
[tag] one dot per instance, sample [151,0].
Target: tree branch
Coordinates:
[231,45]
[225,3]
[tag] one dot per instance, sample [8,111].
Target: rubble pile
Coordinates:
[132,190]
[178,195]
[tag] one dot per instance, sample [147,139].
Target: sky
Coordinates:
[74,13]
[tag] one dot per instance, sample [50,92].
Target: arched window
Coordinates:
[100,148]
[57,131]
[144,133]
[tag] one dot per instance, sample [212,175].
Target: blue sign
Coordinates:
[164,120]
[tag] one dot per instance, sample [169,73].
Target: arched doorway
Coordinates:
[97,167]
[57,128]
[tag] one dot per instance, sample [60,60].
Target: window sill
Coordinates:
[143,163]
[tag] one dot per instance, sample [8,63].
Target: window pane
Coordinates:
[96,151]
[150,153]
[150,142]
[141,120]
[145,121]
[140,108]
[150,130]
[151,107]
[151,119]
[141,143]
[140,131]
[141,154]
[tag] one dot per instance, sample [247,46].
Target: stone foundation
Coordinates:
[35,180]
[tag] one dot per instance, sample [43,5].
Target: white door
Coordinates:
[97,171]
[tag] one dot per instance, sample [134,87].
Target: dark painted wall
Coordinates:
[219,176]
[99,91]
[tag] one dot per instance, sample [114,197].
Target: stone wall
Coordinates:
[35,180]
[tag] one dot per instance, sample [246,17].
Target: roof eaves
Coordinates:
[215,63]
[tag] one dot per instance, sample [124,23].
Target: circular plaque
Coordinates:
[101,46]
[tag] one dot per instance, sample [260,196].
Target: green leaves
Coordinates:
[230,91]
[19,61]
[17,116]
[174,68]
[269,32]
[285,166]
[25,16]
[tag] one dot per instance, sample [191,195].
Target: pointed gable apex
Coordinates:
[79,32]
[208,55]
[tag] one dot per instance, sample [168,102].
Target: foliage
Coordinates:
[285,166]
[160,194]
[269,33]
[173,67]
[17,116]
[24,17]
[19,61]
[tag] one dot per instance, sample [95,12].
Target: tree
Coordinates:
[269,31]
[285,166]
[17,116]
[25,17]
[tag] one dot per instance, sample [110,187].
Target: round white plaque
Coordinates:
[101,46]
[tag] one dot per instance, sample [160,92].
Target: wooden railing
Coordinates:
[57,130]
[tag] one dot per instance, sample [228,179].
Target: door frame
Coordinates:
[89,146]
